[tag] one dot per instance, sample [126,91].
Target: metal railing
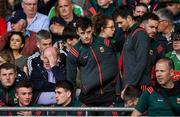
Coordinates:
[67,109]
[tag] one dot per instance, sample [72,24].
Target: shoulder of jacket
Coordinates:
[169,54]
[138,30]
[74,51]
[34,55]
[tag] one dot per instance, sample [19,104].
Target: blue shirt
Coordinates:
[38,23]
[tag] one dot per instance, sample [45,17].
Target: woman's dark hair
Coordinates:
[9,39]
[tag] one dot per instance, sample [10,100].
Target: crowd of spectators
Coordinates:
[90,53]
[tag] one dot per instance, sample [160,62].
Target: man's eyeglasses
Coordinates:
[30,4]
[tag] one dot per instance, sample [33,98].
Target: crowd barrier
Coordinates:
[67,109]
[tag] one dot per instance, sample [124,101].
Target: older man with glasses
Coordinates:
[165,28]
[35,21]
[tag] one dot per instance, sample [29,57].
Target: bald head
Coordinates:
[50,51]
[166,61]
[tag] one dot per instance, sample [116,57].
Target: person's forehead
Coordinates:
[4,70]
[152,22]
[30,1]
[119,18]
[49,52]
[16,36]
[103,0]
[141,8]
[87,29]
[59,89]
[64,1]
[161,64]
[24,89]
[45,40]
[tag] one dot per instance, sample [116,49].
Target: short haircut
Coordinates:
[65,84]
[150,16]
[165,14]
[69,32]
[99,22]
[43,34]
[176,35]
[8,66]
[83,23]
[130,93]
[168,61]
[122,11]
[24,83]
[141,4]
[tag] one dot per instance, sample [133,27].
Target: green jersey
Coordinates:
[176,60]
[155,104]
[172,55]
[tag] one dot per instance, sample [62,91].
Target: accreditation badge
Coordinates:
[101,49]
[178,100]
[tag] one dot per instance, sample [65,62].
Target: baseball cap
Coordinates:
[18,15]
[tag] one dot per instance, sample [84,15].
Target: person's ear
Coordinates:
[22,4]
[77,32]
[69,94]
[129,18]
[142,25]
[178,6]
[16,95]
[171,72]
[68,41]
[58,59]
[37,44]
[102,28]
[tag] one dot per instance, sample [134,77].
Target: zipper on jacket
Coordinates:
[99,70]
[7,98]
